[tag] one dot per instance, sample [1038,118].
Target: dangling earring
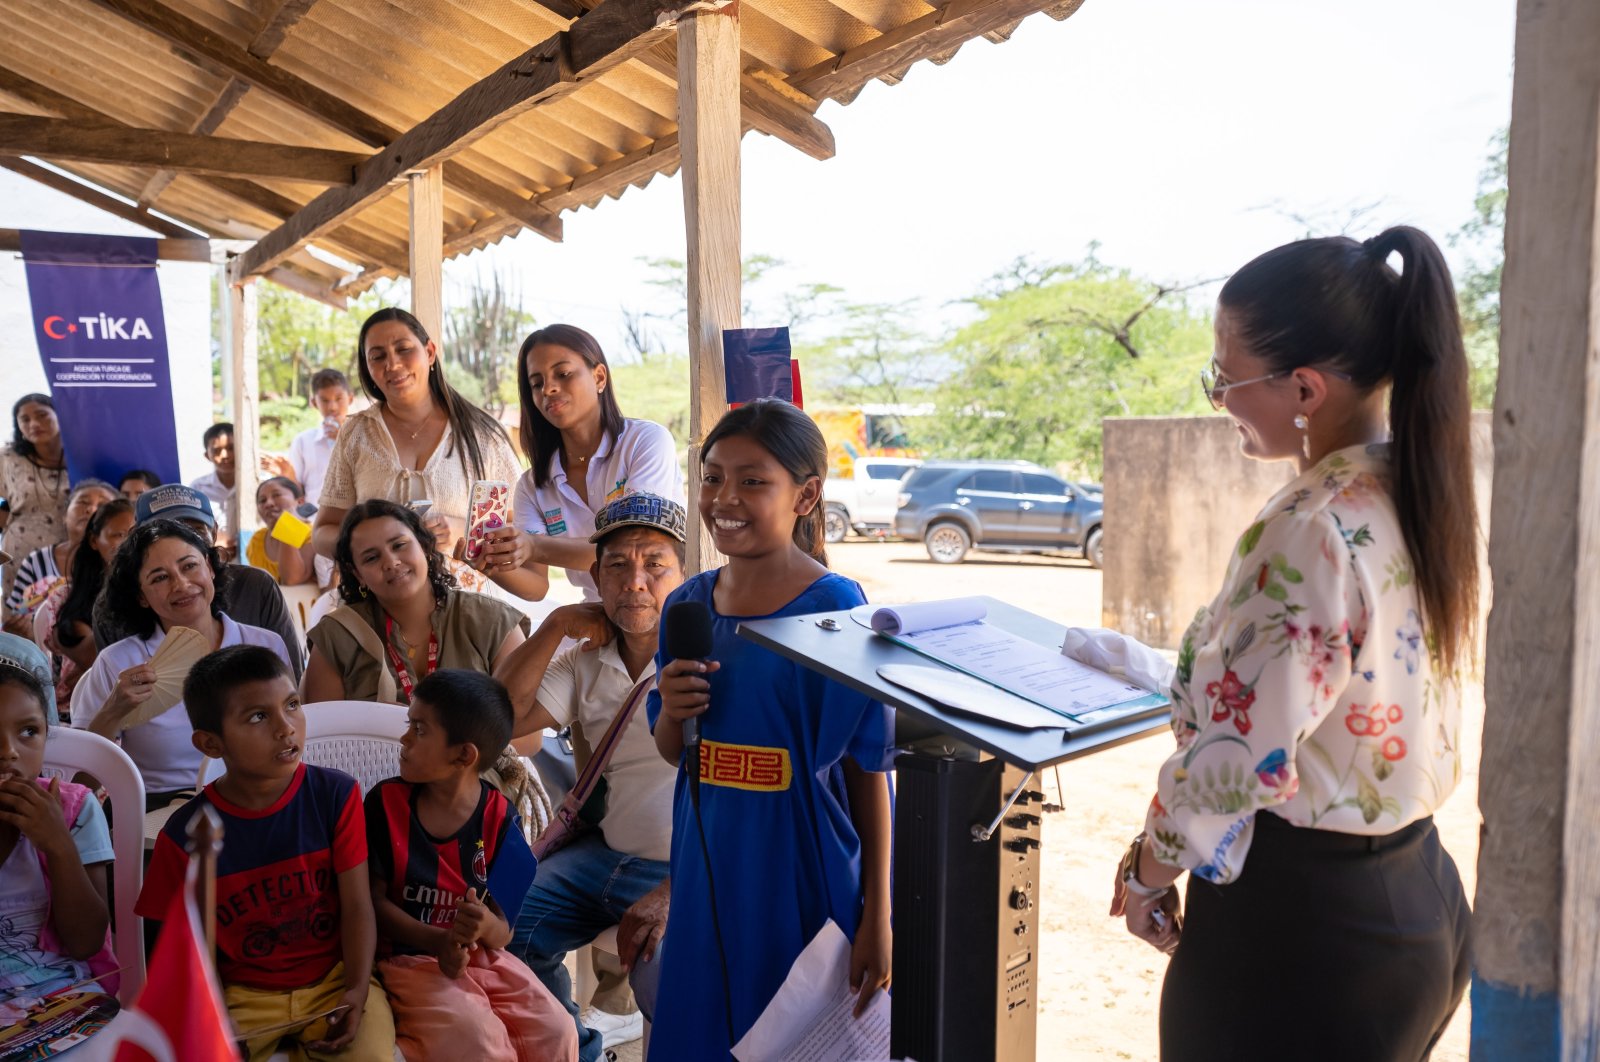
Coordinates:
[363,593]
[1303,422]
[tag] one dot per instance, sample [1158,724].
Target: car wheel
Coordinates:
[1093,549]
[947,543]
[834,524]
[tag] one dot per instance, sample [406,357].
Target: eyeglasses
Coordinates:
[1211,381]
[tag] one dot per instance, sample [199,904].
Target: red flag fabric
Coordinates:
[181,1001]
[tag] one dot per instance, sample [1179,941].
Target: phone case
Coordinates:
[490,508]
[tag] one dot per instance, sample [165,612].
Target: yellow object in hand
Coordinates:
[291,530]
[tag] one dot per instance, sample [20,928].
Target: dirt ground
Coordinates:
[1100,987]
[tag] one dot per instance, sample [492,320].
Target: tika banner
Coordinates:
[103,340]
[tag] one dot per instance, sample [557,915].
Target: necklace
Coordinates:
[425,421]
[39,468]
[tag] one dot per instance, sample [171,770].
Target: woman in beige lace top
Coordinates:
[418,440]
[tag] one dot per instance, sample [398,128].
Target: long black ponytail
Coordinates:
[1338,303]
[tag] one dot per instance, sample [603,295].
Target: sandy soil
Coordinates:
[1100,987]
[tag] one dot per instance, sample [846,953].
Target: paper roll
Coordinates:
[928,615]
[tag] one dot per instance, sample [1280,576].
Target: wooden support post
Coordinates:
[427,249]
[709,129]
[1536,990]
[246,399]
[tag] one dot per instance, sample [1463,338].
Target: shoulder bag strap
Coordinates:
[351,620]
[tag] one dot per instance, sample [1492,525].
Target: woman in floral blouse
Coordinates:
[1315,702]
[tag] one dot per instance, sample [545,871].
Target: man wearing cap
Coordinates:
[616,875]
[251,596]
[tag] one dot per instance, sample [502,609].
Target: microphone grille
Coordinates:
[687,628]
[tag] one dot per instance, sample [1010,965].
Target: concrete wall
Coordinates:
[1178,496]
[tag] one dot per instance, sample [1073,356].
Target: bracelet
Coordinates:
[1140,889]
[1130,872]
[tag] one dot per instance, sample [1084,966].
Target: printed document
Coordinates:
[810,1019]
[1023,667]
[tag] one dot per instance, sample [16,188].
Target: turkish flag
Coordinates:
[179,1012]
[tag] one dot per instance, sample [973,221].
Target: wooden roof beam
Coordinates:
[115,144]
[95,198]
[611,34]
[205,125]
[308,284]
[276,29]
[344,241]
[348,119]
[788,115]
[933,34]
[175,249]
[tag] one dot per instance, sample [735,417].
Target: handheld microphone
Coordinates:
[687,628]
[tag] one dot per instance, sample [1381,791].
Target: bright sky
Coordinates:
[1177,134]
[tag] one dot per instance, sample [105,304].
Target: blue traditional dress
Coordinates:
[777,823]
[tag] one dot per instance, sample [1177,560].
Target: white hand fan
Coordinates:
[181,650]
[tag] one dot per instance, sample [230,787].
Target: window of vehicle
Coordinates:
[886,471]
[1034,483]
[1004,482]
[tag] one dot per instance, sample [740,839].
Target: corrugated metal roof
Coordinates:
[396,62]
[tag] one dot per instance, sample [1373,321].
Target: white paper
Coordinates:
[810,1019]
[963,693]
[1024,667]
[927,615]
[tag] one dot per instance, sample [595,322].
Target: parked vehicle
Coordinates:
[1007,506]
[866,501]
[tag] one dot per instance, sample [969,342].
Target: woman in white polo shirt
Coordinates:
[584,453]
[163,576]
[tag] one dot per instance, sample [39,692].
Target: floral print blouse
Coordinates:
[1306,689]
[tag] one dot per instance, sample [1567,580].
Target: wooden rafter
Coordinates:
[350,120]
[205,125]
[611,34]
[115,144]
[344,241]
[763,107]
[276,29]
[110,204]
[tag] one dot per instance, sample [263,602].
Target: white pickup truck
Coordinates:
[866,502]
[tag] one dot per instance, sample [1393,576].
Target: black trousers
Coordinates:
[1327,946]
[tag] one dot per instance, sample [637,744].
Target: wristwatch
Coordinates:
[1129,869]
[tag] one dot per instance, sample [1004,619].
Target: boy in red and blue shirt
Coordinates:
[449,865]
[295,928]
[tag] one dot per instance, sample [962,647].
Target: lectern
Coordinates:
[966,839]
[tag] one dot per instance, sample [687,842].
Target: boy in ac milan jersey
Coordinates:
[445,845]
[295,930]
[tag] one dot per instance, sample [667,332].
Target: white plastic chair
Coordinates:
[360,738]
[66,752]
[299,600]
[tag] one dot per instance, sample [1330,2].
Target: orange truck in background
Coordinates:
[867,431]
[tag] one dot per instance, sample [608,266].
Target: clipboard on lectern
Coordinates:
[974,669]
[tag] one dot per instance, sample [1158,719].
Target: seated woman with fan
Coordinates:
[403,615]
[163,586]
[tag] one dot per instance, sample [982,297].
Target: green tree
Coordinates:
[1478,287]
[874,352]
[1054,350]
[482,334]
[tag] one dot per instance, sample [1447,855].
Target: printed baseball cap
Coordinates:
[24,655]
[174,501]
[641,509]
